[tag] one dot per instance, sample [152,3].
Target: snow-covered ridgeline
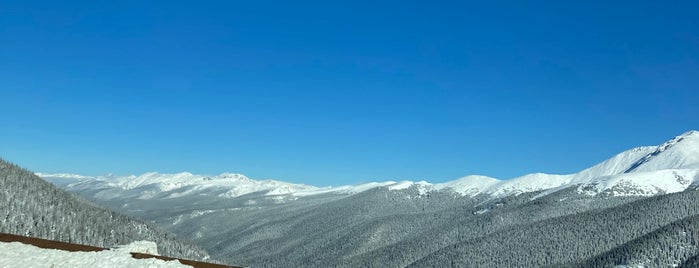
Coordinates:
[183,183]
[651,169]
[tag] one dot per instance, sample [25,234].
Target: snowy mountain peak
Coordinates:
[167,181]
[234,177]
[691,133]
[678,152]
[470,185]
[675,140]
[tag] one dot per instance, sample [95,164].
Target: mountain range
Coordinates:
[635,208]
[643,169]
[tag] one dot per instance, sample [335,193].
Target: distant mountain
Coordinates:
[667,168]
[30,206]
[156,185]
[598,216]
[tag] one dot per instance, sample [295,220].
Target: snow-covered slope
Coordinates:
[679,152]
[16,254]
[642,183]
[640,171]
[470,185]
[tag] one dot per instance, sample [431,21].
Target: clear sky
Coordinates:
[345,92]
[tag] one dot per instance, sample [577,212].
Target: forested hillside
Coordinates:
[656,232]
[671,245]
[33,207]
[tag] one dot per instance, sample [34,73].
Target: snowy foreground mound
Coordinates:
[17,254]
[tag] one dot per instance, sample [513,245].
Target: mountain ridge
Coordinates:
[679,153]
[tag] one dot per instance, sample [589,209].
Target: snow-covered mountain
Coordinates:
[670,167]
[667,168]
[153,184]
[540,219]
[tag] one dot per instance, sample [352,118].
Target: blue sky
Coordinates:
[342,93]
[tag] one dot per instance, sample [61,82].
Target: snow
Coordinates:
[668,168]
[423,186]
[681,151]
[15,254]
[149,185]
[64,176]
[148,247]
[346,189]
[400,185]
[639,171]
[615,165]
[644,183]
[528,183]
[479,212]
[468,186]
